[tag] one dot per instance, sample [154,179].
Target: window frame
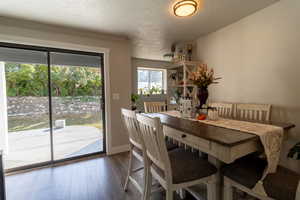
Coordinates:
[164,79]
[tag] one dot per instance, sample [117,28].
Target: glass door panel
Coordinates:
[76,82]
[24,102]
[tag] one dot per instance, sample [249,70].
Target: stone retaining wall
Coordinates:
[20,106]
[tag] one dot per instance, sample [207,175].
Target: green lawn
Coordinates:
[22,123]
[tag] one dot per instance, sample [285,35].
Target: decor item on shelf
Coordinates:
[176,94]
[189,48]
[172,54]
[134,99]
[185,8]
[173,76]
[179,54]
[202,77]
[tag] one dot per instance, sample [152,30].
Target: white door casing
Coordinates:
[3,111]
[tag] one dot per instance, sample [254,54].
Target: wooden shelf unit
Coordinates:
[187,68]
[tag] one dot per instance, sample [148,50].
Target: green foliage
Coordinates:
[32,80]
[134,98]
[151,91]
[155,90]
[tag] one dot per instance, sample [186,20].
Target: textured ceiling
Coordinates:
[149,23]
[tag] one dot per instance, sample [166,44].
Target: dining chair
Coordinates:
[224,109]
[154,107]
[174,170]
[257,112]
[247,171]
[136,147]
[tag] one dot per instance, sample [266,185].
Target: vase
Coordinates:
[133,106]
[202,96]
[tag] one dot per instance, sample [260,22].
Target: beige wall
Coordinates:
[259,60]
[119,61]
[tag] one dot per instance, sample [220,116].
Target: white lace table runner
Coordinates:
[270,136]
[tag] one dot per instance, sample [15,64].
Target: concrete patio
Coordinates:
[33,146]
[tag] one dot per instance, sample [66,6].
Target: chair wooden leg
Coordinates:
[146,175]
[217,185]
[228,190]
[211,190]
[169,194]
[182,194]
[148,184]
[129,169]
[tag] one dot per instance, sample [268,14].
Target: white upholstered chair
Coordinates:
[224,109]
[174,170]
[257,112]
[154,107]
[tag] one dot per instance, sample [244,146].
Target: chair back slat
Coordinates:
[152,133]
[257,112]
[260,116]
[131,124]
[224,109]
[154,107]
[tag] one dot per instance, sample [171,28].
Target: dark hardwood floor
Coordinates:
[95,179]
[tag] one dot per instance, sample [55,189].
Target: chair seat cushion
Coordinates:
[137,150]
[187,166]
[171,145]
[246,171]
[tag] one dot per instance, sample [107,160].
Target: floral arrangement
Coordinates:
[203,76]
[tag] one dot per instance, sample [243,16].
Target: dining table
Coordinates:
[221,145]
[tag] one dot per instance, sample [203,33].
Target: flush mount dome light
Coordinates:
[185,8]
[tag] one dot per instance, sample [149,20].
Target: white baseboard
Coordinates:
[118,149]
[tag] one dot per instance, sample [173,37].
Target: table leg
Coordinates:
[219,183]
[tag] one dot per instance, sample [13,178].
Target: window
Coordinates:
[151,81]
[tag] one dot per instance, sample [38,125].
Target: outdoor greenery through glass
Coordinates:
[66,81]
[150,81]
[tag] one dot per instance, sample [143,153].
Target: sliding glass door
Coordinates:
[76,104]
[53,103]
[27,107]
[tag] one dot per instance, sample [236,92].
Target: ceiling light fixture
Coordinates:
[185,8]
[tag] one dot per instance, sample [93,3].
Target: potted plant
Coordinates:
[202,77]
[134,99]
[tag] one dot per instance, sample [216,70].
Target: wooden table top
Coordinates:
[224,136]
